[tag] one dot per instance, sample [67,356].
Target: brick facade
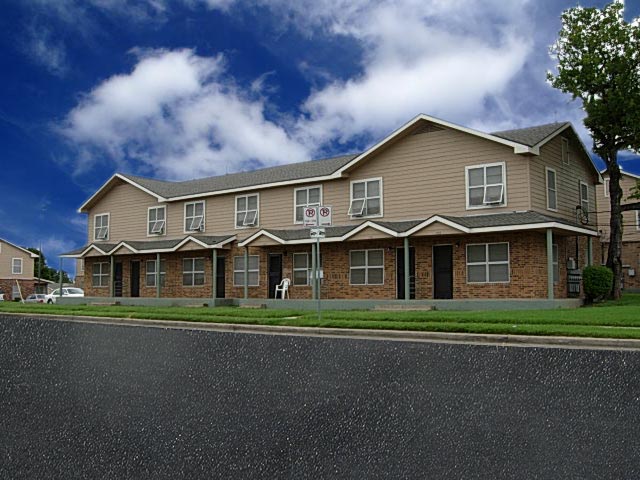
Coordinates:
[630,264]
[527,269]
[27,287]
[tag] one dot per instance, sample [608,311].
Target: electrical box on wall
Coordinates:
[632,272]
[571,263]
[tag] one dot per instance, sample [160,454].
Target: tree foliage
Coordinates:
[46,272]
[598,56]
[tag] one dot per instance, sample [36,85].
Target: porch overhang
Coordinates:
[131,247]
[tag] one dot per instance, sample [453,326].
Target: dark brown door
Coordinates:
[400,273]
[135,278]
[117,279]
[275,272]
[220,265]
[443,271]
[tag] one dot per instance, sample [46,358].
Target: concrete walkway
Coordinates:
[365,334]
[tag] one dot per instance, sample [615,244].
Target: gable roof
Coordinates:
[523,141]
[30,253]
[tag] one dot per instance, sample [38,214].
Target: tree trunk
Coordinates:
[614,254]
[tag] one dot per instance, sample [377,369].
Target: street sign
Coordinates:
[324,216]
[317,233]
[311,216]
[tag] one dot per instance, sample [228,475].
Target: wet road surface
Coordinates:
[102,401]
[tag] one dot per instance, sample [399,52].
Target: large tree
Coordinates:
[598,56]
[45,271]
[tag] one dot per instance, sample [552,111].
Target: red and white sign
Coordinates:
[311,216]
[324,216]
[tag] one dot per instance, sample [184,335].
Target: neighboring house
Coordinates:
[630,229]
[483,216]
[16,272]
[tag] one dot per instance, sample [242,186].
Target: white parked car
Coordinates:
[36,298]
[66,292]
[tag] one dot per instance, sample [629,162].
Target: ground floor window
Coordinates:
[100,274]
[366,267]
[301,269]
[151,273]
[192,272]
[254,271]
[556,264]
[488,263]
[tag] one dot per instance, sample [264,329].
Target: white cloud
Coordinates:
[43,49]
[177,113]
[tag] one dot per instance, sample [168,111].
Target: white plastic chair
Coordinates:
[283,287]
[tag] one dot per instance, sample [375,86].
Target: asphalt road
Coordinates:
[100,401]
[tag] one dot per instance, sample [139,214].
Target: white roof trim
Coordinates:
[261,233]
[369,224]
[154,250]
[124,179]
[434,219]
[30,253]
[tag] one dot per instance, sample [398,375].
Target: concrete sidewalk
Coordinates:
[364,334]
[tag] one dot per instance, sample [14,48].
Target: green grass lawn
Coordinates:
[619,319]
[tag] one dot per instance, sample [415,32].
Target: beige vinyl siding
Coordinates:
[630,232]
[568,179]
[127,207]
[7,254]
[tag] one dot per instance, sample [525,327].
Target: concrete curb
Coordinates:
[364,334]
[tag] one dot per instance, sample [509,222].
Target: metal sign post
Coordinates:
[318,217]
[317,233]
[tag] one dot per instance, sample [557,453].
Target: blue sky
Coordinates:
[178,89]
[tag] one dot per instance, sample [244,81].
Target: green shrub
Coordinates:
[597,282]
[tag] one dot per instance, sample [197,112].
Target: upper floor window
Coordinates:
[488,263]
[16,266]
[486,185]
[565,151]
[306,197]
[194,216]
[637,219]
[366,198]
[247,210]
[192,272]
[100,272]
[606,187]
[101,227]
[552,189]
[156,220]
[584,199]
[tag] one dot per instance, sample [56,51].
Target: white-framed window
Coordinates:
[552,189]
[247,207]
[16,266]
[301,268]
[366,267]
[637,219]
[488,263]
[556,263]
[366,198]
[100,274]
[151,273]
[192,272]
[101,226]
[486,185]
[565,150]
[303,198]
[254,271]
[157,220]
[584,198]
[194,216]
[606,187]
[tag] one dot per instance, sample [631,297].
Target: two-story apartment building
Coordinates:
[465,213]
[630,229]
[16,271]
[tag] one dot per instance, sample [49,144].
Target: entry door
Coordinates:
[443,271]
[220,265]
[275,272]
[117,280]
[135,278]
[400,273]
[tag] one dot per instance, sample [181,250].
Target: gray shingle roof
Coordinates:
[150,245]
[508,219]
[283,173]
[303,233]
[531,136]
